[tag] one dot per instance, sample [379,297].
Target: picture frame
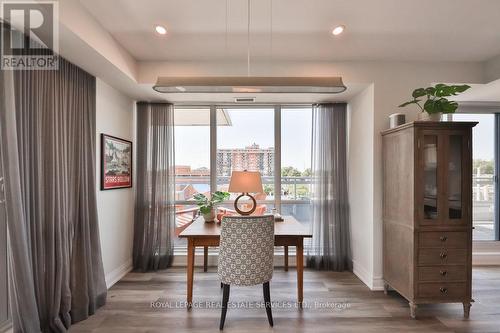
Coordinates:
[116,162]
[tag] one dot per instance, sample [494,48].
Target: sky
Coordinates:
[483,144]
[192,143]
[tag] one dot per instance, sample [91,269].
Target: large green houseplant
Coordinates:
[433,101]
[207,205]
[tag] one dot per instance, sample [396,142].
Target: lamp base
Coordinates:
[243,212]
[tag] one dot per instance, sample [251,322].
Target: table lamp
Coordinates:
[245,182]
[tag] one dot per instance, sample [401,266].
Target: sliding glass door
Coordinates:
[485,208]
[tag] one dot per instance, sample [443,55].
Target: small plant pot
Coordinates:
[424,116]
[209,217]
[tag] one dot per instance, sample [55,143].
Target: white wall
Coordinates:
[114,116]
[360,109]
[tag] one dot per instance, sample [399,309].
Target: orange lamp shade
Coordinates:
[245,182]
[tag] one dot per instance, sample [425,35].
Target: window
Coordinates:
[192,152]
[483,174]
[213,141]
[247,144]
[296,131]
[192,162]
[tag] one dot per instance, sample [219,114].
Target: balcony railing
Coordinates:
[290,185]
[293,201]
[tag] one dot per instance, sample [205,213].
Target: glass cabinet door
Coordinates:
[430,186]
[455,177]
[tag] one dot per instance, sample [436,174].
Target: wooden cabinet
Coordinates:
[427,227]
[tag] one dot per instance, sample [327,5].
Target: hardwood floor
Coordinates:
[335,302]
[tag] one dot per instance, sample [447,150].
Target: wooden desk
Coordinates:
[287,233]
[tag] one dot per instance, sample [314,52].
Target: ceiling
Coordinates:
[424,30]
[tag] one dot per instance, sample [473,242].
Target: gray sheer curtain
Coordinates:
[155,187]
[48,154]
[329,248]
[22,301]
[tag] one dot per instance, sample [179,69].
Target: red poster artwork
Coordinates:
[116,162]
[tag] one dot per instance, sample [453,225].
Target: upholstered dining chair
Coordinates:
[246,254]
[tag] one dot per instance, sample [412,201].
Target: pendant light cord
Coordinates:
[271,28]
[248,38]
[227,24]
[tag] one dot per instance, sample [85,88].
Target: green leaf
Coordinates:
[415,101]
[430,91]
[205,209]
[444,91]
[449,107]
[419,92]
[219,196]
[461,88]
[431,106]
[200,199]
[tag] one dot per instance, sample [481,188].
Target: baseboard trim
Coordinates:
[378,284]
[375,283]
[118,273]
[362,274]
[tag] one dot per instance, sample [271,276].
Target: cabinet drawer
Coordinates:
[442,273]
[442,256]
[448,239]
[442,290]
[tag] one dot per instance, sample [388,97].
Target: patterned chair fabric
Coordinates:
[246,250]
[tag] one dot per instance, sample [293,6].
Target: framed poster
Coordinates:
[116,162]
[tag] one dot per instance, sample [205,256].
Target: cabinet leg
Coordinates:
[413,310]
[386,288]
[467,306]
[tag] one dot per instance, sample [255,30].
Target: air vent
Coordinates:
[244,99]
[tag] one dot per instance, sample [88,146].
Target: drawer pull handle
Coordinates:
[443,238]
[443,255]
[443,273]
[443,290]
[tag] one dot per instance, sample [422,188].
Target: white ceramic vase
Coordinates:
[424,116]
[209,217]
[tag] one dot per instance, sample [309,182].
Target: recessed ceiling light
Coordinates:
[161,30]
[338,30]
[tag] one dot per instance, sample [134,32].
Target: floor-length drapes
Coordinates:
[54,134]
[155,187]
[329,248]
[22,291]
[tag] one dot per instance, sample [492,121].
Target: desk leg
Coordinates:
[300,271]
[286,258]
[205,258]
[190,271]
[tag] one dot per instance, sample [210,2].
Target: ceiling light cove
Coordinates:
[338,30]
[161,30]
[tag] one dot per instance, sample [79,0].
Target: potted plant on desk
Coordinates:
[434,100]
[207,206]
